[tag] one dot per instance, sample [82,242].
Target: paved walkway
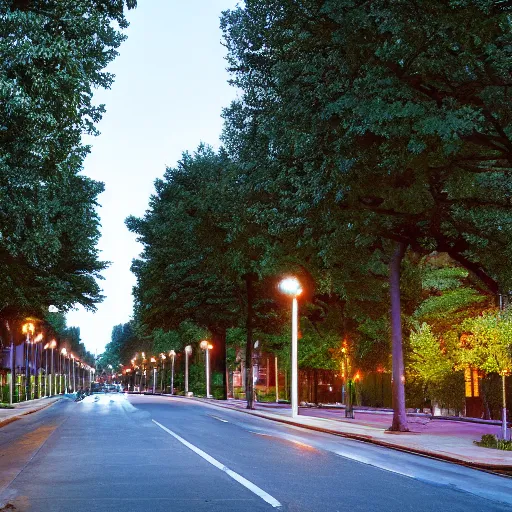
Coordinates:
[21,409]
[445,439]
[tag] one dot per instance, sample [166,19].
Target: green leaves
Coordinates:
[488,344]
[53,55]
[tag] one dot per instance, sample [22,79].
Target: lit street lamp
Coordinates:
[205,345]
[74,383]
[46,347]
[172,353]
[63,353]
[291,286]
[27,329]
[163,357]
[53,344]
[188,351]
[153,360]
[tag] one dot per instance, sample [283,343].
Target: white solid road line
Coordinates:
[214,462]
[217,418]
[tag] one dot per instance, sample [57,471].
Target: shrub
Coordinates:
[491,441]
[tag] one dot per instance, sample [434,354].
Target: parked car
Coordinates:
[96,387]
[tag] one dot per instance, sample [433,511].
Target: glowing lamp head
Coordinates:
[210,346]
[153,360]
[204,345]
[47,346]
[53,344]
[63,351]
[172,353]
[290,286]
[163,356]
[38,338]
[188,350]
[28,328]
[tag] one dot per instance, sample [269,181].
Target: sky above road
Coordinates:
[170,88]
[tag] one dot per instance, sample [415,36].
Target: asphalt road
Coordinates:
[142,453]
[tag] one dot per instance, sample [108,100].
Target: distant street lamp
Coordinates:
[45,348]
[153,360]
[188,351]
[53,344]
[74,382]
[63,353]
[207,346]
[172,353]
[163,357]
[291,286]
[27,329]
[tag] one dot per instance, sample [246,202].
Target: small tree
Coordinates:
[488,347]
[431,364]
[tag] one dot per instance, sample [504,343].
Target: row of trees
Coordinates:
[369,153]
[53,56]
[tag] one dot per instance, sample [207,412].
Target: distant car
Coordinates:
[96,387]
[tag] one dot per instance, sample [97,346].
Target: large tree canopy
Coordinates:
[52,56]
[379,125]
[396,116]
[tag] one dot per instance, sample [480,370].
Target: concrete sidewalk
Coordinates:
[23,408]
[448,440]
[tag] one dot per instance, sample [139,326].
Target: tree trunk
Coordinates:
[249,383]
[398,377]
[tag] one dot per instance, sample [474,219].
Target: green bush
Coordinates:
[491,441]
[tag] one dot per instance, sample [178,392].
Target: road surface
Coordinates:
[141,453]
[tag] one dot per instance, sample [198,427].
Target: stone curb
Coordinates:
[16,417]
[505,468]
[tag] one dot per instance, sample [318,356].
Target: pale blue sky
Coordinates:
[170,87]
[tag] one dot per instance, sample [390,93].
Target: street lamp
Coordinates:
[207,346]
[45,348]
[74,383]
[53,344]
[27,329]
[63,353]
[163,357]
[172,353]
[188,351]
[291,286]
[38,362]
[153,360]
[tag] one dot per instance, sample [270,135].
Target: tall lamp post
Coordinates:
[38,363]
[74,382]
[45,348]
[63,353]
[291,286]
[53,344]
[188,351]
[144,372]
[172,353]
[27,329]
[207,346]
[163,357]
[153,360]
